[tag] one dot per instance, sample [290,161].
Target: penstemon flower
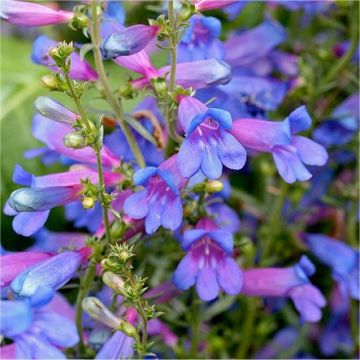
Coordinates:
[32,14]
[208,144]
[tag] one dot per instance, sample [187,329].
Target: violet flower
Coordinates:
[128,41]
[208,262]
[32,14]
[208,144]
[40,281]
[160,200]
[119,346]
[37,333]
[14,263]
[201,40]
[290,282]
[343,260]
[79,69]
[289,152]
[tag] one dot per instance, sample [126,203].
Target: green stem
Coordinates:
[112,100]
[247,329]
[195,329]
[104,202]
[85,284]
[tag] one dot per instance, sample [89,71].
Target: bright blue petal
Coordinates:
[189,157]
[153,218]
[223,238]
[299,120]
[211,165]
[221,116]
[190,236]
[231,153]
[229,276]
[185,274]
[143,175]
[206,284]
[168,177]
[28,223]
[196,121]
[21,177]
[136,205]
[172,214]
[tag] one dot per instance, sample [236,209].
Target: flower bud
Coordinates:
[128,329]
[88,202]
[214,186]
[98,311]
[186,12]
[80,21]
[75,140]
[114,282]
[52,83]
[159,85]
[118,229]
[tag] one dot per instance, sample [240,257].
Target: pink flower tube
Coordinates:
[31,14]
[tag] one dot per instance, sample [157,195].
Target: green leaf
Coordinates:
[85,49]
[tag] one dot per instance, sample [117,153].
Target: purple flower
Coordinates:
[208,262]
[289,152]
[40,281]
[290,282]
[14,263]
[208,144]
[160,200]
[343,260]
[158,328]
[195,74]
[32,14]
[204,5]
[128,41]
[201,40]
[37,333]
[79,69]
[119,346]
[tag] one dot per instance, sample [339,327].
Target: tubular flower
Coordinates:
[208,262]
[15,263]
[160,200]
[290,282]
[37,333]
[208,144]
[289,152]
[32,14]
[343,260]
[31,205]
[128,41]
[40,281]
[204,5]
[119,346]
[79,69]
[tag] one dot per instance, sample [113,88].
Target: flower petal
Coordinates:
[189,157]
[229,276]
[310,152]
[206,284]
[231,153]
[211,165]
[136,205]
[185,274]
[172,214]
[28,223]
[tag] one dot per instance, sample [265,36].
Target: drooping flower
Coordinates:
[79,69]
[40,281]
[201,40]
[290,282]
[343,260]
[128,41]
[31,206]
[37,333]
[14,263]
[32,14]
[289,152]
[160,200]
[208,144]
[195,74]
[208,262]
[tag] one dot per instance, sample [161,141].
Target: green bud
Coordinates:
[159,85]
[214,186]
[128,329]
[88,202]
[75,140]
[127,91]
[80,21]
[118,229]
[114,282]
[98,311]
[186,12]
[52,83]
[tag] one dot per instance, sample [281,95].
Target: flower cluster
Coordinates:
[187,165]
